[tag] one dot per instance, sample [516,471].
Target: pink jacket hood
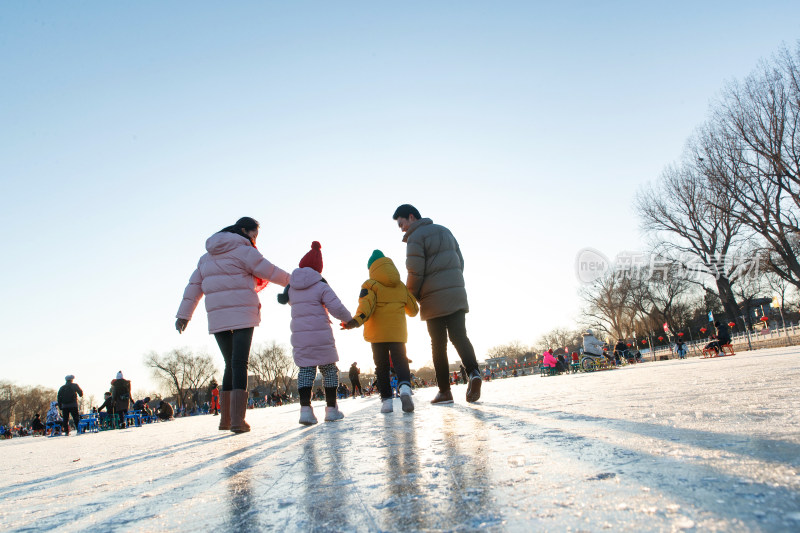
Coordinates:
[303,278]
[226,276]
[222,242]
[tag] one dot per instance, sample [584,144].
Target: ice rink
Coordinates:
[707,445]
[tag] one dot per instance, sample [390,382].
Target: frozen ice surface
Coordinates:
[693,445]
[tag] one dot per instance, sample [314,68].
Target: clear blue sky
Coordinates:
[132,132]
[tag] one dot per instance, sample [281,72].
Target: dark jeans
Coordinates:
[453,326]
[356,385]
[235,348]
[70,410]
[382,352]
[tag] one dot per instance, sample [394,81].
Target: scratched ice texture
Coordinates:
[699,444]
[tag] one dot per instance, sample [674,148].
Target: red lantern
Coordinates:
[731,324]
[763,319]
[680,334]
[644,341]
[661,338]
[629,345]
[702,330]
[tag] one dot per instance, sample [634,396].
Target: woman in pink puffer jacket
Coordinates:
[312,338]
[229,275]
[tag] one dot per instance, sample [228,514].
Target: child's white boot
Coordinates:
[333,413]
[405,398]
[307,417]
[386,405]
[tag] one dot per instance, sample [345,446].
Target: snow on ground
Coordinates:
[699,444]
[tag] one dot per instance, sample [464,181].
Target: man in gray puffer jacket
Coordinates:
[436,278]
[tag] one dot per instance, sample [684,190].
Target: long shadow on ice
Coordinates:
[703,486]
[768,450]
[237,474]
[114,464]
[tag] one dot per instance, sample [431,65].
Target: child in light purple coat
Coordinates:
[312,337]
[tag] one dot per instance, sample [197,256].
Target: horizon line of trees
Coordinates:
[722,223]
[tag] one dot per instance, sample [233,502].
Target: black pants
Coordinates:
[382,352]
[235,348]
[717,344]
[356,385]
[305,396]
[453,326]
[65,412]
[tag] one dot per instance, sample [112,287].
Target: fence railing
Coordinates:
[772,338]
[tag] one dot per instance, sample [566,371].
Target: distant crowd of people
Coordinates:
[64,413]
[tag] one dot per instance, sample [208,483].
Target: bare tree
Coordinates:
[511,350]
[273,366]
[9,398]
[263,363]
[183,372]
[693,231]
[561,338]
[663,296]
[33,400]
[609,304]
[18,404]
[750,152]
[286,369]
[781,288]
[427,373]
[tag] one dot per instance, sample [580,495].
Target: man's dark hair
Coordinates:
[404,210]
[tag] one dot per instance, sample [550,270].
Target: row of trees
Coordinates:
[188,376]
[273,367]
[722,221]
[19,404]
[184,374]
[569,338]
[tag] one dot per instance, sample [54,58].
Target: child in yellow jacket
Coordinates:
[383,305]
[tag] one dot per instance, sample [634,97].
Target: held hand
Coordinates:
[350,325]
[181,324]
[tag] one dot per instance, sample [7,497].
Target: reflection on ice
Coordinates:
[674,445]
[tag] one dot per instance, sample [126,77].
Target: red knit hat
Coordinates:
[313,258]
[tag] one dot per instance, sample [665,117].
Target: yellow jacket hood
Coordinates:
[384,272]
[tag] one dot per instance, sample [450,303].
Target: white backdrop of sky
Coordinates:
[132,132]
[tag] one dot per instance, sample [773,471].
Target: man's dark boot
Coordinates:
[474,387]
[443,397]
